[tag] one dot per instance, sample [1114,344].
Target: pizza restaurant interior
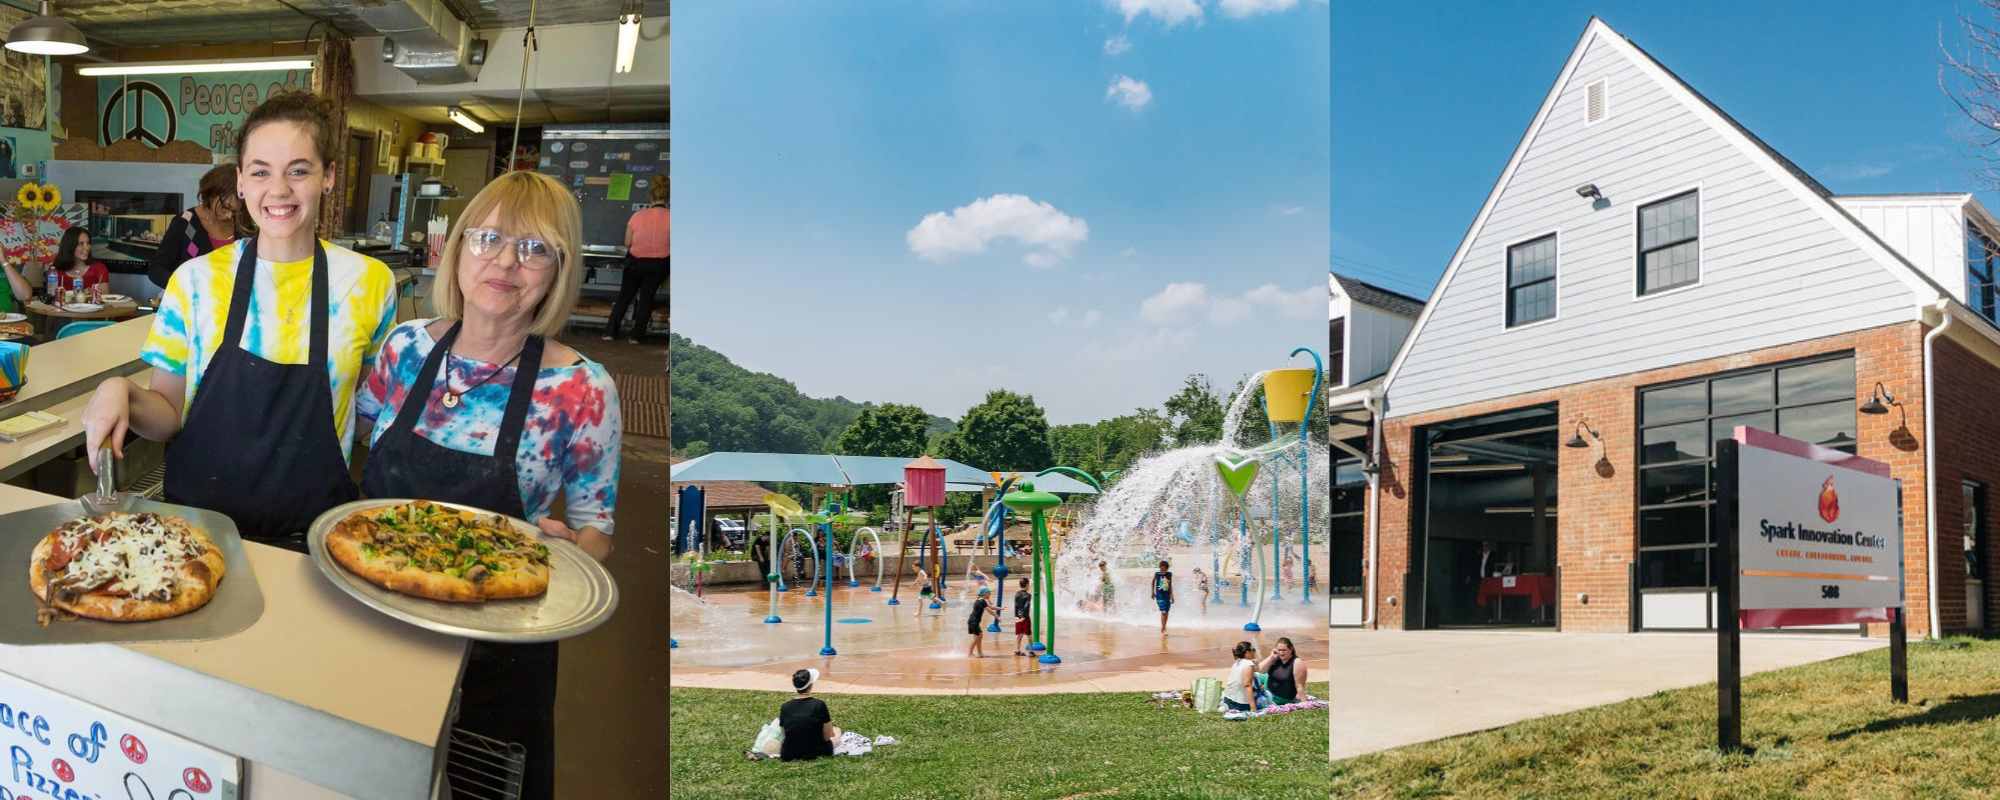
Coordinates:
[229,564]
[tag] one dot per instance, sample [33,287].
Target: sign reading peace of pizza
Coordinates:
[55,747]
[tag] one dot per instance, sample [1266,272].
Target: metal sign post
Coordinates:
[1728,594]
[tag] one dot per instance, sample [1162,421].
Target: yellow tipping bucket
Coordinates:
[1285,394]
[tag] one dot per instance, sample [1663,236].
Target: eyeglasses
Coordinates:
[531,253]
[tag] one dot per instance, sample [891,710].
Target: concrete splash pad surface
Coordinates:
[725,644]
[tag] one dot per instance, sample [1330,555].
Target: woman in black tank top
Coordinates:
[1285,671]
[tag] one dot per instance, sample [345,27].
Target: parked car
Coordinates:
[729,534]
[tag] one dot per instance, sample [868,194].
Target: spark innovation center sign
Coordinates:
[1806,536]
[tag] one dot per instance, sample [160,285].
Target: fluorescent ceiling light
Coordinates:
[164,67]
[628,39]
[469,123]
[46,35]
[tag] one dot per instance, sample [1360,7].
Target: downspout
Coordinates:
[1930,465]
[1369,402]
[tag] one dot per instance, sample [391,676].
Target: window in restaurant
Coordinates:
[1336,356]
[1974,496]
[1350,492]
[1980,256]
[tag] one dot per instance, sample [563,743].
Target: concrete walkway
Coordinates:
[1393,688]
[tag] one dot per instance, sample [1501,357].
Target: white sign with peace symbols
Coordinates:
[57,748]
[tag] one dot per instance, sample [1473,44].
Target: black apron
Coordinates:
[259,443]
[509,690]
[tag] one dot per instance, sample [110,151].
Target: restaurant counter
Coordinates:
[320,691]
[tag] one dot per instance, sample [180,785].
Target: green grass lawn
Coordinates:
[1003,746]
[1820,730]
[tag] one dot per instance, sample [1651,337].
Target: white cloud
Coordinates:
[1117,45]
[1129,252]
[1135,346]
[1176,303]
[1049,234]
[1129,92]
[1246,8]
[1169,12]
[1183,302]
[1288,211]
[1063,316]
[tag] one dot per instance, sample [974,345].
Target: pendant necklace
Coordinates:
[451,397]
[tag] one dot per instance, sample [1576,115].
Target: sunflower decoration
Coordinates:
[29,197]
[51,197]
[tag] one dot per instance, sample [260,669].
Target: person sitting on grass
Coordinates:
[809,730]
[1239,690]
[1163,593]
[980,608]
[1023,627]
[1201,589]
[1285,671]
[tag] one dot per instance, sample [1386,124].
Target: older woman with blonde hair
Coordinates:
[481,406]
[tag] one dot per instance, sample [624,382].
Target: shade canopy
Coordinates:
[839,471]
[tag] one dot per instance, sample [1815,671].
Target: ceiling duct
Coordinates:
[425,41]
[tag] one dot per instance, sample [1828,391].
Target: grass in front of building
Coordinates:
[1820,730]
[1002,746]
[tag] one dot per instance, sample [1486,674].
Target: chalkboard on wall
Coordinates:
[610,169]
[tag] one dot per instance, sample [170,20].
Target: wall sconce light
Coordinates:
[1874,404]
[1588,191]
[1576,439]
[1371,468]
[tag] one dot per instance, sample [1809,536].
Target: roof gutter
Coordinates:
[1944,309]
[1372,400]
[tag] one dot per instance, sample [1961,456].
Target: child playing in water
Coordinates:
[1163,593]
[1022,627]
[980,608]
[1105,590]
[925,595]
[1201,589]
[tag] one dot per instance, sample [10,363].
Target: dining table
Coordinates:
[110,309]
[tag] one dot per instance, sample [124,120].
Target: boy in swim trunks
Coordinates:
[1022,626]
[1163,593]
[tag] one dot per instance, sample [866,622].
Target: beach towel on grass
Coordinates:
[851,743]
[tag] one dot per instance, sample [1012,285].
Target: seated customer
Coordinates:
[1239,690]
[73,261]
[809,730]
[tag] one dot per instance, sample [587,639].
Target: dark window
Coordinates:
[1812,401]
[1350,492]
[1979,269]
[1336,354]
[1975,530]
[1531,281]
[1669,243]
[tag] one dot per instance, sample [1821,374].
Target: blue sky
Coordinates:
[1082,200]
[1428,105]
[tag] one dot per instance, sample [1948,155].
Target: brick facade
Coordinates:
[1968,448]
[1595,545]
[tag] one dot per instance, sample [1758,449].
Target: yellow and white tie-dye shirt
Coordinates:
[361,299]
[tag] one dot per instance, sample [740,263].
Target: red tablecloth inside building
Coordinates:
[1539,589]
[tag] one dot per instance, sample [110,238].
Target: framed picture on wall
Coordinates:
[383,147]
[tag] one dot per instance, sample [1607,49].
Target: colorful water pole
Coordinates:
[778,505]
[1034,503]
[854,549]
[1237,474]
[826,530]
[1291,399]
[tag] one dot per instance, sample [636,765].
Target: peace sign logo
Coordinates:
[151,109]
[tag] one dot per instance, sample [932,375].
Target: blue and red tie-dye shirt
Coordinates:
[570,444]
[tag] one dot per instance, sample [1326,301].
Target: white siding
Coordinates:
[1373,337]
[1773,269]
[1929,230]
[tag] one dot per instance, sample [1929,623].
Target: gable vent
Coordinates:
[1594,94]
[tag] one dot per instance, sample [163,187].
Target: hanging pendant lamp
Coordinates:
[46,35]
